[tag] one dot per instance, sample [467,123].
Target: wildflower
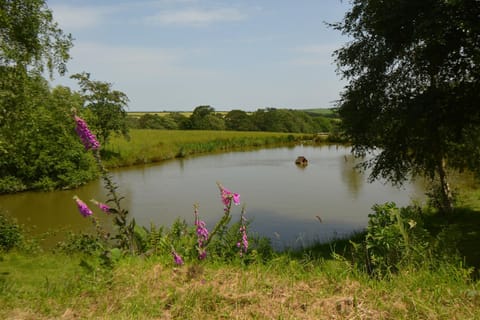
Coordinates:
[82,207]
[228,196]
[202,235]
[105,208]
[202,255]
[243,243]
[177,258]
[88,138]
[236,198]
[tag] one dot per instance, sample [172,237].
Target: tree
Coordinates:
[106,106]
[239,120]
[205,118]
[30,43]
[414,87]
[30,37]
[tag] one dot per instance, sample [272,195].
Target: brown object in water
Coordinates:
[302,161]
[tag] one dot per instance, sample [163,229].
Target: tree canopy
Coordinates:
[38,149]
[30,37]
[413,92]
[105,106]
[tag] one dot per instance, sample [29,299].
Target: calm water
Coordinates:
[281,199]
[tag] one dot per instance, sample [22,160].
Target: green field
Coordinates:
[146,146]
[138,114]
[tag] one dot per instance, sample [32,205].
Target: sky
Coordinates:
[175,55]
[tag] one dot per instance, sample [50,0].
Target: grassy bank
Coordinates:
[58,287]
[146,146]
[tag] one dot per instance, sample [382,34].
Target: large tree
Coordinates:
[413,90]
[31,43]
[105,106]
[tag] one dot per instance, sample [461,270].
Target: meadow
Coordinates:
[55,286]
[147,146]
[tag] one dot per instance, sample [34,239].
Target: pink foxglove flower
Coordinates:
[82,207]
[243,243]
[105,208]
[228,196]
[202,235]
[177,258]
[88,138]
[236,198]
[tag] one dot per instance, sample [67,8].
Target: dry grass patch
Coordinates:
[281,289]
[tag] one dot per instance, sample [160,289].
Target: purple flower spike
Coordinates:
[202,235]
[202,255]
[236,199]
[177,259]
[243,244]
[88,138]
[227,196]
[105,208]
[82,207]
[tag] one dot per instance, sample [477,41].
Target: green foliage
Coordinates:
[41,149]
[413,90]
[84,243]
[37,148]
[31,38]
[106,107]
[394,238]
[205,118]
[154,121]
[239,120]
[11,234]
[270,120]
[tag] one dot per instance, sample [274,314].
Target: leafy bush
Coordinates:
[80,243]
[395,237]
[11,234]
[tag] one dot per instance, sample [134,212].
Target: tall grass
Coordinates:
[146,146]
[58,287]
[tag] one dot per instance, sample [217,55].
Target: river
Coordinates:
[291,205]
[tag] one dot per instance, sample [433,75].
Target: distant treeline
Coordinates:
[269,119]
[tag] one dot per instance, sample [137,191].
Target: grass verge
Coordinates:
[57,287]
[146,146]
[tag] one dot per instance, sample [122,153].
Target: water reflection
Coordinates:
[352,175]
[282,201]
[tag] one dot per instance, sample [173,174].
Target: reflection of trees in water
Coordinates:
[353,177]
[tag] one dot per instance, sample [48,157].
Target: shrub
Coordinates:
[395,237]
[11,234]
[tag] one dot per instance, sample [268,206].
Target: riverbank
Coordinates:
[52,286]
[149,146]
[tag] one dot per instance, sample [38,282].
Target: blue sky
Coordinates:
[179,54]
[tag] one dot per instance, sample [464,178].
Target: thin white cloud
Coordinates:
[74,18]
[195,17]
[124,58]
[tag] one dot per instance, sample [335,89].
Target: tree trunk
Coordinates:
[446,193]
